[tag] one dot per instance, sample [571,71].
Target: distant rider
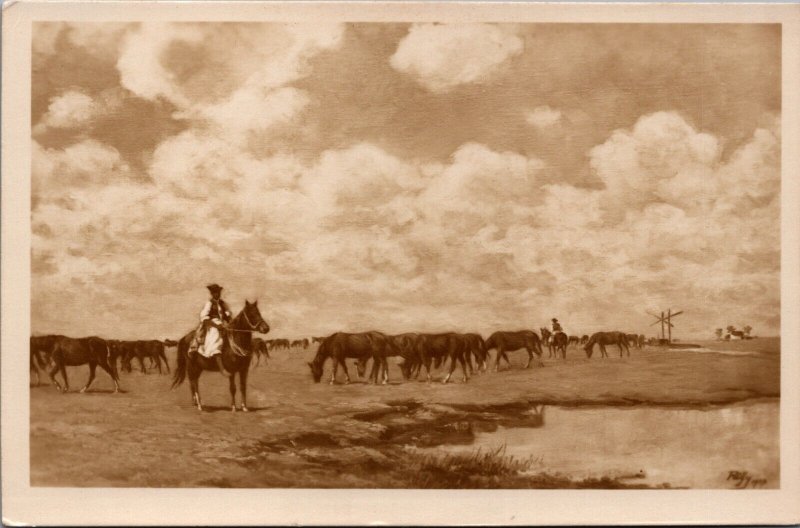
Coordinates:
[556,328]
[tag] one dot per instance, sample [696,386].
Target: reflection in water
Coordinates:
[682,447]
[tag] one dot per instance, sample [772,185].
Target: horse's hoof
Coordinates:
[347,382]
[83,390]
[245,409]
[200,408]
[233,408]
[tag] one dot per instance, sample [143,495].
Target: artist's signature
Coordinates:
[743,479]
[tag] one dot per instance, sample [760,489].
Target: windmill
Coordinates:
[666,321]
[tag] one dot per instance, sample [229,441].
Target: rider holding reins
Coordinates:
[213,318]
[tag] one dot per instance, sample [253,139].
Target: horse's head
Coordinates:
[254,318]
[588,347]
[316,370]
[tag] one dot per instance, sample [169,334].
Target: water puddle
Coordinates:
[716,448]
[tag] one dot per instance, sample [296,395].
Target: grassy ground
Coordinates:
[301,434]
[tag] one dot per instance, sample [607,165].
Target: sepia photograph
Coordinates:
[408,253]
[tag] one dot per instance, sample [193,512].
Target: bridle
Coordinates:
[253,327]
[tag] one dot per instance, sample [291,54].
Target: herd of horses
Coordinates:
[54,353]
[417,350]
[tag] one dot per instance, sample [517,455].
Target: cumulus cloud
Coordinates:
[239,76]
[543,117]
[76,109]
[442,56]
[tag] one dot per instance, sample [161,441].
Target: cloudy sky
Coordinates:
[405,176]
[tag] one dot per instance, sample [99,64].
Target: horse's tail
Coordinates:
[182,360]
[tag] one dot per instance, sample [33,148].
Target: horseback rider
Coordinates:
[556,328]
[213,318]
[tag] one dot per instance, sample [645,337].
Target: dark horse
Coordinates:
[607,338]
[69,352]
[236,355]
[508,341]
[363,347]
[558,342]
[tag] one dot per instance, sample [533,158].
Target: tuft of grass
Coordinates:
[456,470]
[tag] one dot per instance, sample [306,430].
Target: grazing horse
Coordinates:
[556,344]
[260,348]
[236,355]
[573,340]
[340,346]
[441,347]
[476,346]
[70,352]
[405,346]
[633,340]
[152,349]
[607,338]
[510,341]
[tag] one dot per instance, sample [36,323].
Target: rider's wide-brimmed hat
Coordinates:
[555,320]
[214,288]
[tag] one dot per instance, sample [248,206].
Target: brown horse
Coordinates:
[260,348]
[510,341]
[557,344]
[476,346]
[70,352]
[340,346]
[438,348]
[236,355]
[41,349]
[573,340]
[607,338]
[405,346]
[153,350]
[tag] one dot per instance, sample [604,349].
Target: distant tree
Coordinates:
[747,329]
[718,332]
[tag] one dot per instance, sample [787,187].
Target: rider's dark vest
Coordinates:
[218,310]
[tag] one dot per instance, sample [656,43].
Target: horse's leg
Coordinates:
[335,369]
[112,371]
[141,363]
[385,368]
[194,371]
[452,368]
[603,350]
[497,357]
[52,373]
[243,387]
[463,367]
[346,374]
[63,370]
[530,356]
[92,368]
[232,387]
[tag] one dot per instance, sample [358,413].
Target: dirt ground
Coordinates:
[302,434]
